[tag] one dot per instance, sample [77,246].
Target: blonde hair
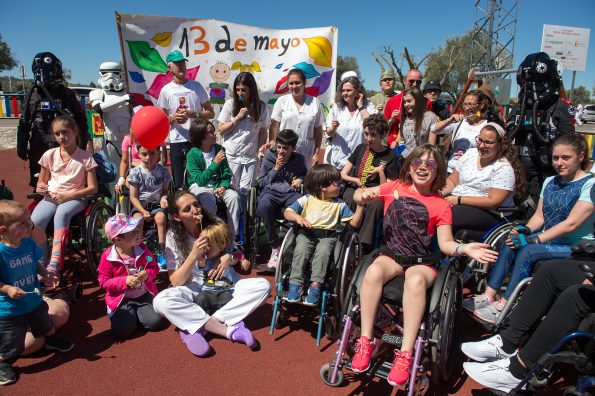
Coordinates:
[219,235]
[9,210]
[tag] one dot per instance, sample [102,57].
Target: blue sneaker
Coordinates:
[313,295]
[294,294]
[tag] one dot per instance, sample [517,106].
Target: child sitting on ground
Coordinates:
[320,214]
[215,293]
[21,305]
[126,272]
[148,185]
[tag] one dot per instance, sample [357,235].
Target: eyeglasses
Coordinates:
[430,164]
[414,82]
[470,104]
[338,183]
[486,143]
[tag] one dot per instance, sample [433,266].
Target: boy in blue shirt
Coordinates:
[21,304]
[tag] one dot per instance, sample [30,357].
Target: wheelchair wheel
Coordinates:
[75,294]
[446,329]
[253,227]
[95,237]
[325,373]
[346,265]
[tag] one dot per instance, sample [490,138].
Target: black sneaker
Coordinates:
[58,343]
[7,375]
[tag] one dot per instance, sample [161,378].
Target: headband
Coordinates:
[498,128]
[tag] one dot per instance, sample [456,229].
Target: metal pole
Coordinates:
[23,72]
[495,72]
[9,84]
[572,85]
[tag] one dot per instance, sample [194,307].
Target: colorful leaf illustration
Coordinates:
[145,57]
[282,87]
[236,65]
[140,99]
[323,82]
[279,66]
[312,91]
[308,69]
[320,49]
[162,39]
[272,101]
[136,77]
[255,67]
[163,79]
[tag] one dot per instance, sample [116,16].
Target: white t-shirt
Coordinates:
[474,182]
[463,139]
[208,159]
[191,95]
[302,122]
[348,135]
[241,143]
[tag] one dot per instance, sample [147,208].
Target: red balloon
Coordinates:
[150,127]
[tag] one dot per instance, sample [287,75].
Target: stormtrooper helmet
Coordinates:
[110,76]
[47,68]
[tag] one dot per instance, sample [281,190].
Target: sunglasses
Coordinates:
[414,82]
[430,164]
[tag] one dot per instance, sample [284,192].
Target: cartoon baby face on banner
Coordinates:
[217,51]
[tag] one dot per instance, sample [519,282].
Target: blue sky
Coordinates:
[83,33]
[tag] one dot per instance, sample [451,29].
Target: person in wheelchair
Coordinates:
[564,216]
[130,159]
[148,185]
[280,180]
[319,214]
[414,214]
[209,175]
[558,291]
[371,164]
[485,178]
[67,176]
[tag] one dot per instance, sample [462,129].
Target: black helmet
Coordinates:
[539,79]
[47,68]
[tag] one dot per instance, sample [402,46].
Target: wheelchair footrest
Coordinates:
[392,339]
[380,370]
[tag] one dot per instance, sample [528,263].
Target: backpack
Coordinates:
[105,171]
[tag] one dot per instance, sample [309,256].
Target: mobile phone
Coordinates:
[588,271]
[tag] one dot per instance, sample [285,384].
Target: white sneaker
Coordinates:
[274,260]
[476,302]
[491,313]
[486,350]
[493,375]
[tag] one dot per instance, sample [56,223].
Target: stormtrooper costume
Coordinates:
[112,103]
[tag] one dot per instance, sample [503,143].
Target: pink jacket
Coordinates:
[113,273]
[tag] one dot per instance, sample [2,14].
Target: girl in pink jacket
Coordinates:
[126,272]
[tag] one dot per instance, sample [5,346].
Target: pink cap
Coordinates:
[120,224]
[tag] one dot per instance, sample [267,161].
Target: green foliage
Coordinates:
[7,61]
[581,94]
[16,84]
[346,63]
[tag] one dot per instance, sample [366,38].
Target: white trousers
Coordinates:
[177,304]
[207,200]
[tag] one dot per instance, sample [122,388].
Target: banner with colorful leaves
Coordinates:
[217,51]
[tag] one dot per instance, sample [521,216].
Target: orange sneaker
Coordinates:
[401,370]
[363,355]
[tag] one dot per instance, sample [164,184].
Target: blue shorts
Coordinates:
[152,208]
[13,330]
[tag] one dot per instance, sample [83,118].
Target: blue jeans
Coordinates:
[522,262]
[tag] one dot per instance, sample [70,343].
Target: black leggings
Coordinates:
[465,217]
[557,292]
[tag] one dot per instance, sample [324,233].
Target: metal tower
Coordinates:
[492,47]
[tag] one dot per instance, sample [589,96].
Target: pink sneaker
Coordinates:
[243,335]
[363,355]
[195,343]
[274,260]
[401,370]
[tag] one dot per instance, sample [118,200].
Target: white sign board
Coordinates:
[568,44]
[217,51]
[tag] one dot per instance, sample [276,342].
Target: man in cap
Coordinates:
[182,100]
[387,90]
[392,108]
[432,91]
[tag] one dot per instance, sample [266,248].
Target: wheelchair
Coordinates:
[434,344]
[85,239]
[343,261]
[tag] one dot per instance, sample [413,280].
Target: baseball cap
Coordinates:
[175,56]
[348,74]
[387,74]
[120,224]
[434,84]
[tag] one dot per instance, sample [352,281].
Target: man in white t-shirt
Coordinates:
[182,100]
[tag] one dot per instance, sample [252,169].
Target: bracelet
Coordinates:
[459,200]
[455,251]
[361,108]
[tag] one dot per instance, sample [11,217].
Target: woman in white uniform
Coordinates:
[301,113]
[344,121]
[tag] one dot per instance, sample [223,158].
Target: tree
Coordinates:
[387,60]
[580,94]
[67,74]
[347,63]
[92,84]
[7,61]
